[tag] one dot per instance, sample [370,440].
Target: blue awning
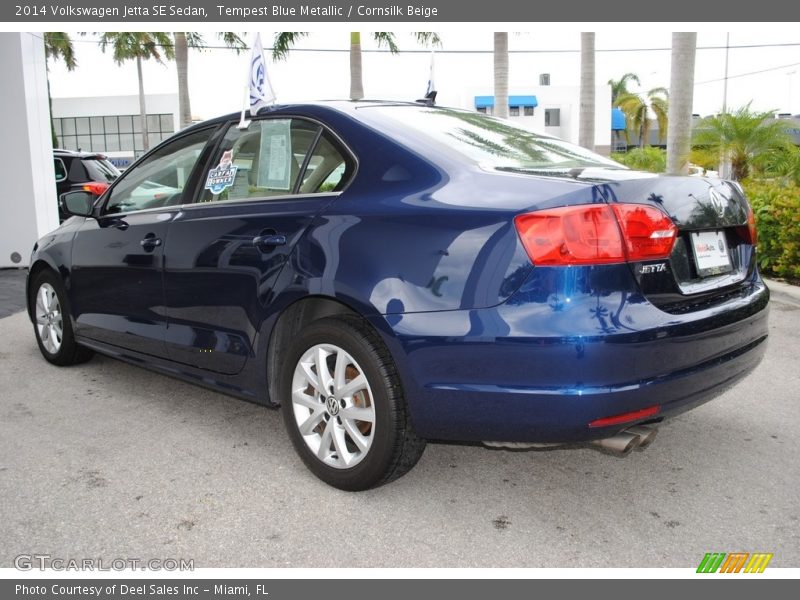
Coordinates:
[488,101]
[617,119]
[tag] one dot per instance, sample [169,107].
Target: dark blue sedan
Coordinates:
[395,272]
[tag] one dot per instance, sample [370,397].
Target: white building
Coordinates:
[112,124]
[550,109]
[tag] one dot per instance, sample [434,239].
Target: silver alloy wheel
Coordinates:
[49,320]
[333,407]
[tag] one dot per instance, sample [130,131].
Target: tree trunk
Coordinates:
[586,122]
[142,107]
[182,65]
[356,81]
[501,75]
[681,93]
[739,169]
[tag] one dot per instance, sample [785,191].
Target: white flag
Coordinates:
[431,86]
[261,92]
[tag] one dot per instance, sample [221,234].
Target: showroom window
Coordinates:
[115,133]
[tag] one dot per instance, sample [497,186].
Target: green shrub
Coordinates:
[776,205]
[648,158]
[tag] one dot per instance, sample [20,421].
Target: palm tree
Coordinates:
[139,46]
[743,136]
[501,75]
[284,40]
[184,41]
[587,94]
[619,87]
[679,129]
[57,45]
[783,163]
[637,111]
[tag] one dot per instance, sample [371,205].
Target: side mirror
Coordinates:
[77,203]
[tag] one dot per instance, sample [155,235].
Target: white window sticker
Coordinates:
[275,156]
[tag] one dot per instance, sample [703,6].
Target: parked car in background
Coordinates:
[84,171]
[391,272]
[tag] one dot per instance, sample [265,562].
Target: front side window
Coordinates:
[159,180]
[274,158]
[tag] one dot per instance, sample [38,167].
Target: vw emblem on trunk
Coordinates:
[718,201]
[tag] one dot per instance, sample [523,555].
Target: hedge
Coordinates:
[776,205]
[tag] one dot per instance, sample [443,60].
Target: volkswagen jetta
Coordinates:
[389,273]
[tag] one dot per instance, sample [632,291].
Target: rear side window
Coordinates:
[77,172]
[274,158]
[61,170]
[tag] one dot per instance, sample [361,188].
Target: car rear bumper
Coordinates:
[562,353]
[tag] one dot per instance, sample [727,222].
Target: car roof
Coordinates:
[72,153]
[343,106]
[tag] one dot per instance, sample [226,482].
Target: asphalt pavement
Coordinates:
[107,460]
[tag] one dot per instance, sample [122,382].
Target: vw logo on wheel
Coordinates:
[332,405]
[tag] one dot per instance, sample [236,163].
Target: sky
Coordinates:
[217,76]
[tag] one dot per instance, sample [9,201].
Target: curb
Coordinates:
[783,292]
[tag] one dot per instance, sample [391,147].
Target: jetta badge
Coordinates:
[718,201]
[656,268]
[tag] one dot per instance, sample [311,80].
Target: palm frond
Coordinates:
[283,42]
[58,45]
[232,40]
[386,38]
[428,38]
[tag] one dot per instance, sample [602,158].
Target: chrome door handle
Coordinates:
[275,239]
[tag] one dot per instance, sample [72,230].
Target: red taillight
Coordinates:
[751,228]
[95,187]
[628,417]
[596,234]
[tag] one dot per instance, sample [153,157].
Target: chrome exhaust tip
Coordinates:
[647,435]
[621,444]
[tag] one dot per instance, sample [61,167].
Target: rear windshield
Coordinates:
[99,169]
[490,142]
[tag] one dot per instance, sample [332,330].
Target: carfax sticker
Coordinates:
[223,176]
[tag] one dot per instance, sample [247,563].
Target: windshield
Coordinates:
[491,142]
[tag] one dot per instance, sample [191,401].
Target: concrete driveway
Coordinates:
[108,460]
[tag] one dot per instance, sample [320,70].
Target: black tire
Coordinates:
[69,352]
[394,448]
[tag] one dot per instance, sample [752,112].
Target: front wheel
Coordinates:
[343,406]
[51,322]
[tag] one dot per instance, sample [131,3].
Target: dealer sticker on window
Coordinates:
[710,253]
[223,176]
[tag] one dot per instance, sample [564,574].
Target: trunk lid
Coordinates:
[713,257]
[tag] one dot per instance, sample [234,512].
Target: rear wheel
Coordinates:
[343,406]
[51,323]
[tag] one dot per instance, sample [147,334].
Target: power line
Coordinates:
[750,73]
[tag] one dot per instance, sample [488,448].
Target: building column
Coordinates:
[28,205]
